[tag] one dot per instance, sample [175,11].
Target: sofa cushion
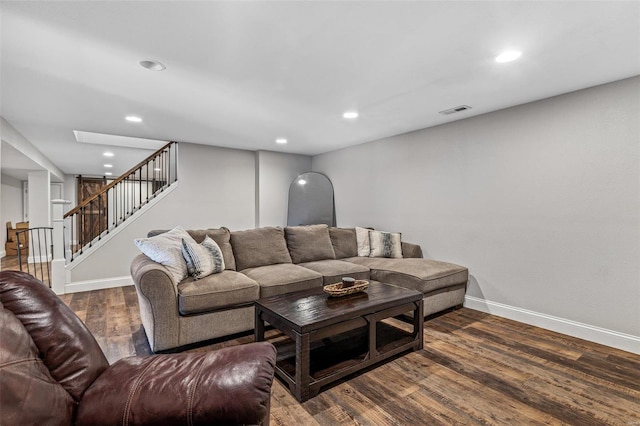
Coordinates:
[166,249]
[217,291]
[202,259]
[385,244]
[283,278]
[221,236]
[333,270]
[424,275]
[259,247]
[344,242]
[309,243]
[29,395]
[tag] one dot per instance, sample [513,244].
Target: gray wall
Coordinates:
[275,171]
[10,205]
[541,201]
[215,188]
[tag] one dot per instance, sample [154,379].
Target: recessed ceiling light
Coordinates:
[152,65]
[302,182]
[350,115]
[281,141]
[508,56]
[107,154]
[133,119]
[157,169]
[108,173]
[108,166]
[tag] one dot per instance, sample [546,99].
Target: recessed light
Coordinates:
[508,56]
[157,169]
[350,115]
[108,166]
[108,173]
[133,119]
[152,65]
[108,154]
[281,141]
[302,182]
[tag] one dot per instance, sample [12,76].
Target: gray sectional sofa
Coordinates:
[269,261]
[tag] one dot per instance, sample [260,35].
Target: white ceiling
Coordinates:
[241,74]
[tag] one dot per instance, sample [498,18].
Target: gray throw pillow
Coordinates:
[309,243]
[166,249]
[385,244]
[202,259]
[259,247]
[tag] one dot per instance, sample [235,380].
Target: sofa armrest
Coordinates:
[227,386]
[411,250]
[158,300]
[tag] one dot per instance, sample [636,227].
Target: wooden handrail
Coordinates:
[117,181]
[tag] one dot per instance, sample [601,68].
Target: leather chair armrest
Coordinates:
[227,386]
[411,250]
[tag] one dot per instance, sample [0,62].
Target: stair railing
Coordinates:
[35,252]
[104,211]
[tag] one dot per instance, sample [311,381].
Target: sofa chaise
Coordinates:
[268,261]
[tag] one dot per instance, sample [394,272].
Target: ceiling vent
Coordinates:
[455,109]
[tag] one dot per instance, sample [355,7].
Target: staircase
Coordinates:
[96,216]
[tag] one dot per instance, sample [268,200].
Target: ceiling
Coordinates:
[241,74]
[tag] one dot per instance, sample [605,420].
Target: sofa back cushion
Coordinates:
[65,345]
[29,395]
[259,247]
[309,243]
[344,242]
[221,236]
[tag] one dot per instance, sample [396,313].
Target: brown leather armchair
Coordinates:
[52,372]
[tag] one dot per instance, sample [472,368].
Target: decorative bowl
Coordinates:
[337,290]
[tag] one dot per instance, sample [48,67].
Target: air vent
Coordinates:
[455,109]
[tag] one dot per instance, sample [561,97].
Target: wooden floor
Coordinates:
[475,368]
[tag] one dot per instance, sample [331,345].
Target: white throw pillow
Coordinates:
[362,238]
[166,249]
[385,244]
[202,259]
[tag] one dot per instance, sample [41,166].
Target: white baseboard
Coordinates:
[3,253]
[625,342]
[100,284]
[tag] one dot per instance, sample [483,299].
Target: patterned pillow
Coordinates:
[385,244]
[166,249]
[202,259]
[362,238]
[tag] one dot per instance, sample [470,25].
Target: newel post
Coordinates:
[58,270]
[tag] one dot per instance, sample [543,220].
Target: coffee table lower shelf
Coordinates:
[334,358]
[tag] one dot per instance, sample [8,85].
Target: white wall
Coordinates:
[216,187]
[541,201]
[10,205]
[274,173]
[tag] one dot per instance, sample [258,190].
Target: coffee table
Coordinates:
[331,338]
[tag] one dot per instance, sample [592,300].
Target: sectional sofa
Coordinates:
[268,261]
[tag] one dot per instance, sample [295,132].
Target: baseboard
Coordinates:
[3,253]
[603,336]
[100,284]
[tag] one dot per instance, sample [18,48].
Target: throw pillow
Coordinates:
[166,249]
[362,238]
[385,244]
[309,243]
[203,259]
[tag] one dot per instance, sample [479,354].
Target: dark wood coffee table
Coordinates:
[331,338]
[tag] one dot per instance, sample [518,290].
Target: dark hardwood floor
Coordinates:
[475,368]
